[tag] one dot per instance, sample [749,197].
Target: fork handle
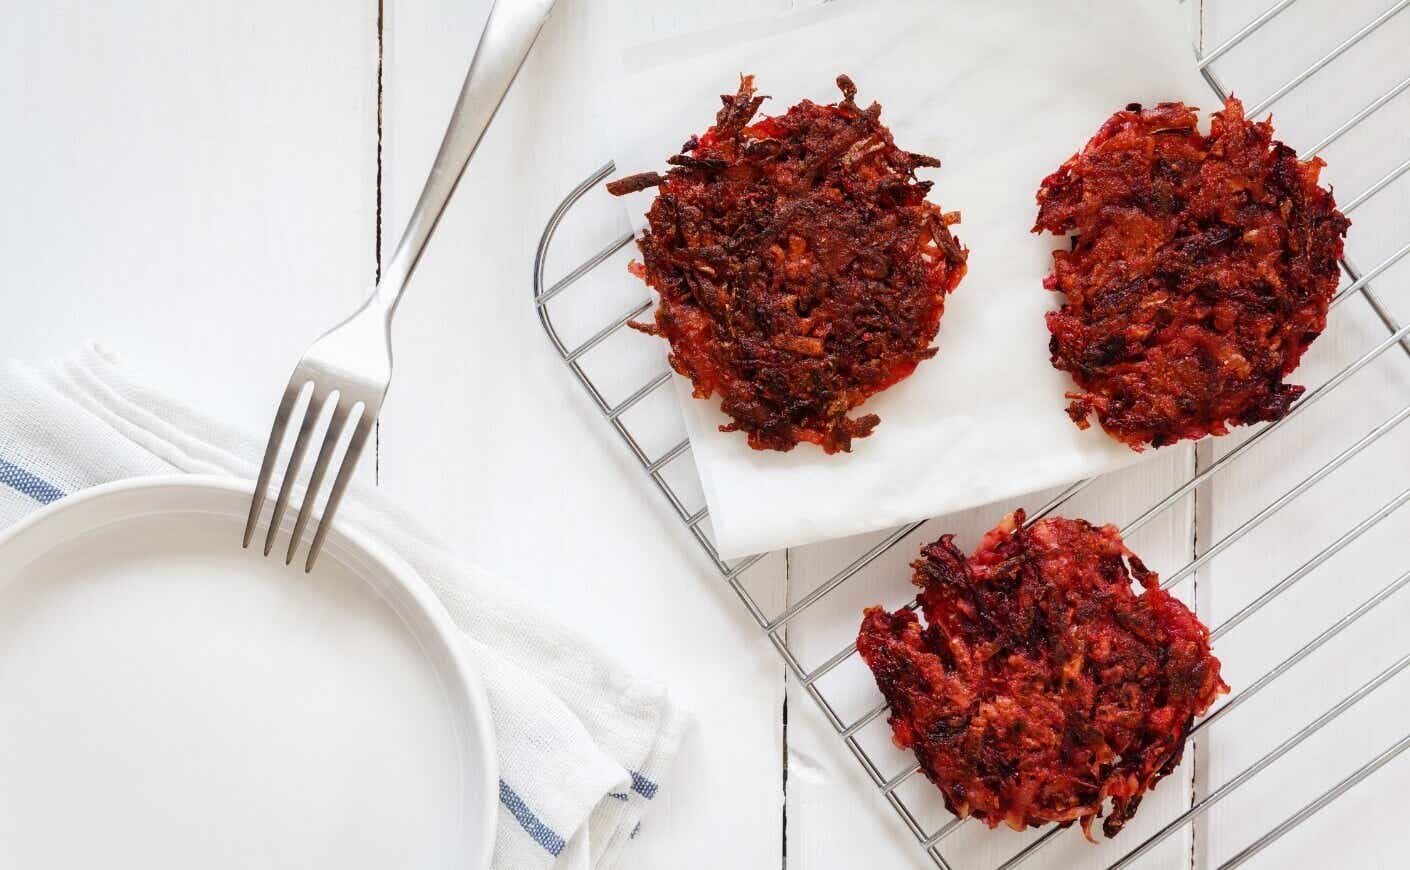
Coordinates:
[509,33]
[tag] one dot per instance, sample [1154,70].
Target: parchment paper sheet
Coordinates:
[1002,93]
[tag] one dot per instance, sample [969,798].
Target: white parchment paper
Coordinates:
[1002,93]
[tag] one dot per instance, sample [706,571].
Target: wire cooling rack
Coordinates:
[667,467]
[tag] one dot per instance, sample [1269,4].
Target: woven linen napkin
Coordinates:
[583,745]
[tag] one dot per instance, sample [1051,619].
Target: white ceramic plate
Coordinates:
[169,700]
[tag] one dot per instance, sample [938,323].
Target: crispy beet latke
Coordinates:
[799,267]
[1202,268]
[1042,684]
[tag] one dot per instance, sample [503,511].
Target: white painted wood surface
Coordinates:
[196,184]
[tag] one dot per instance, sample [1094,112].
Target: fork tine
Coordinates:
[271,452]
[359,440]
[325,453]
[315,407]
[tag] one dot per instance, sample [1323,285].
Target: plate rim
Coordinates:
[393,565]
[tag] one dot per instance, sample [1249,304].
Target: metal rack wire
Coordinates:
[657,466]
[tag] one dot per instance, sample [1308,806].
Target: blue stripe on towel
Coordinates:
[643,786]
[27,483]
[536,829]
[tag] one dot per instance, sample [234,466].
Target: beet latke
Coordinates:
[799,266]
[1202,269]
[1042,683]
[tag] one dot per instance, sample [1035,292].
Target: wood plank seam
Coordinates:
[783,838]
[1198,454]
[377,231]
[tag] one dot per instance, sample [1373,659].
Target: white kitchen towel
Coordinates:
[1002,93]
[583,745]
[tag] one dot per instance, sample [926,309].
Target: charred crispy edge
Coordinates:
[880,634]
[1133,116]
[1145,576]
[880,627]
[940,562]
[1124,809]
[633,183]
[848,88]
[705,164]
[739,108]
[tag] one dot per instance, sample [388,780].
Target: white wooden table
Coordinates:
[205,186]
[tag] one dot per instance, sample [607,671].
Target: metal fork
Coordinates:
[351,365]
